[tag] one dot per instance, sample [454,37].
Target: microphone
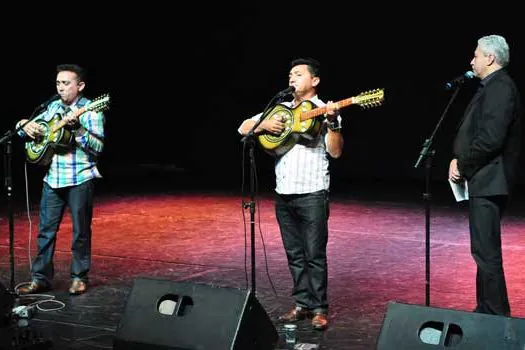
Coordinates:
[459,80]
[289,90]
[48,101]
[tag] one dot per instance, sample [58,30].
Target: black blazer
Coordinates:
[488,142]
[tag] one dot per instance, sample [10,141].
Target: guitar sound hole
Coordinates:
[40,139]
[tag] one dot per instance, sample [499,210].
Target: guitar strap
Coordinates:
[81,102]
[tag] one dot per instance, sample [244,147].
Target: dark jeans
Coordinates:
[303,221]
[52,205]
[485,239]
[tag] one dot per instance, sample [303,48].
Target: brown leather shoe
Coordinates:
[78,287]
[33,288]
[320,321]
[296,314]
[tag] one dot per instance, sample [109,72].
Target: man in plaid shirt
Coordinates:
[69,181]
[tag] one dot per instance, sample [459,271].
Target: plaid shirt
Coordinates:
[79,164]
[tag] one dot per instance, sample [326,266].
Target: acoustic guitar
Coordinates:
[40,151]
[301,121]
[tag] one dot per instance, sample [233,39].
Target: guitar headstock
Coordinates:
[369,99]
[99,104]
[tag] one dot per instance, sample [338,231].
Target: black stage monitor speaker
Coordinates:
[414,327]
[163,314]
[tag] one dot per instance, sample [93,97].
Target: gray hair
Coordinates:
[495,45]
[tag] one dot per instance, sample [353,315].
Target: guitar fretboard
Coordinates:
[62,123]
[321,110]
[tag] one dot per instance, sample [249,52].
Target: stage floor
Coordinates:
[376,254]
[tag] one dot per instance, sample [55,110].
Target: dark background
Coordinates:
[182,77]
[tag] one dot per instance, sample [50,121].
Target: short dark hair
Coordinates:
[313,65]
[81,72]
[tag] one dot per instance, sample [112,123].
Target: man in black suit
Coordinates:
[486,151]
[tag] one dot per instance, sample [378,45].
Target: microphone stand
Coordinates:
[6,140]
[427,153]
[249,140]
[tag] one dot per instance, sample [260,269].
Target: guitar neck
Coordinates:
[62,123]
[322,110]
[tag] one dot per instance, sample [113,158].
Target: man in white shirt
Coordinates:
[302,190]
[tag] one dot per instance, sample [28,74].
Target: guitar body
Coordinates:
[294,129]
[41,150]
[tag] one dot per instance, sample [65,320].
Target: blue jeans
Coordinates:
[303,221]
[52,205]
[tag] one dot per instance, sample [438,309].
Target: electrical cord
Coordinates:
[28,218]
[243,205]
[43,299]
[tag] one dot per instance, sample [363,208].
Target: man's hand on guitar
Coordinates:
[331,111]
[32,129]
[274,125]
[72,122]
